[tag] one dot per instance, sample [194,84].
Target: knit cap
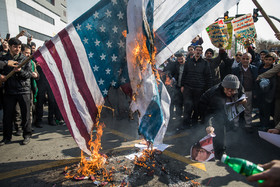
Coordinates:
[231,81]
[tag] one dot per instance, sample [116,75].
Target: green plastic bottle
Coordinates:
[242,166]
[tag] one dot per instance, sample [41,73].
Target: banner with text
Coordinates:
[244,29]
[229,30]
[218,35]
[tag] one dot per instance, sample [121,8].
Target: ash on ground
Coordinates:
[163,171]
[157,170]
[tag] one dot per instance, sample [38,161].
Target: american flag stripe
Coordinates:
[70,84]
[79,103]
[67,83]
[82,56]
[78,76]
[52,73]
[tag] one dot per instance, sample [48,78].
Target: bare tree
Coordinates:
[269,45]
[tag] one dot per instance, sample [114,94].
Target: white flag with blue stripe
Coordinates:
[177,22]
[167,25]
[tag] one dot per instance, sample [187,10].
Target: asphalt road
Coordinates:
[52,148]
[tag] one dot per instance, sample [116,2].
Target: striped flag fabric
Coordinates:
[93,54]
[177,22]
[83,61]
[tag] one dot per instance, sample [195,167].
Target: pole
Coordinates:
[235,43]
[19,66]
[265,16]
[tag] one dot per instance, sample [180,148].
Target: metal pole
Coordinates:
[235,43]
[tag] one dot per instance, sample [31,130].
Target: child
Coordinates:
[266,90]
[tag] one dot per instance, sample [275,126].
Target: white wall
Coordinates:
[17,17]
[3,19]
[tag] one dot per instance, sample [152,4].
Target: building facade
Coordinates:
[41,18]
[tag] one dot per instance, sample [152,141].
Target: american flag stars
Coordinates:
[108,71]
[114,2]
[115,29]
[96,15]
[85,40]
[103,56]
[90,55]
[120,15]
[101,82]
[95,68]
[109,44]
[114,58]
[89,26]
[113,83]
[102,28]
[97,42]
[121,44]
[105,44]
[78,27]
[105,92]
[108,13]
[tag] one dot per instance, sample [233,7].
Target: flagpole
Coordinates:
[19,66]
[265,16]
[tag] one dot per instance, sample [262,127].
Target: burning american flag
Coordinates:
[93,54]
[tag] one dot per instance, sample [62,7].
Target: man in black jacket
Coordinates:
[17,89]
[196,79]
[212,104]
[215,63]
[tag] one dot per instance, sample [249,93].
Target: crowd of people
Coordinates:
[199,88]
[24,93]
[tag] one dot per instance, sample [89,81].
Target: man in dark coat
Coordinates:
[212,104]
[196,79]
[247,74]
[17,90]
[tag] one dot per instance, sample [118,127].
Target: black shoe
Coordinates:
[61,122]
[265,129]
[18,133]
[249,130]
[5,141]
[52,123]
[26,140]
[37,124]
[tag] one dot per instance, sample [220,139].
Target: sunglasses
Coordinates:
[238,55]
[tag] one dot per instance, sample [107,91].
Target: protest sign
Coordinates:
[218,34]
[204,150]
[244,29]
[229,30]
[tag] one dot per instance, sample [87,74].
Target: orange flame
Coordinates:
[124,33]
[142,54]
[90,166]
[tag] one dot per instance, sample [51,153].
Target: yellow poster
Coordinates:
[229,30]
[218,35]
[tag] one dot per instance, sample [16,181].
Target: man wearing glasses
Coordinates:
[237,60]
[212,104]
